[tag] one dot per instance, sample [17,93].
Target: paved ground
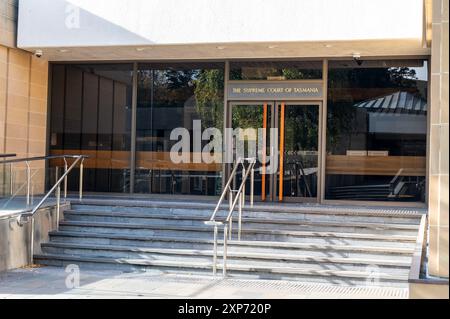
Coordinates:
[49,282]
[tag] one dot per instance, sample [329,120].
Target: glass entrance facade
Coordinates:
[122,115]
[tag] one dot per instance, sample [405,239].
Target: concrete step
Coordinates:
[136,204]
[183,218]
[402,254]
[233,257]
[348,277]
[313,238]
[150,229]
[256,213]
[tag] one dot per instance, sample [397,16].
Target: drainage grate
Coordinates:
[318,290]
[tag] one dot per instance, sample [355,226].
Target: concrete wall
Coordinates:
[15,239]
[75,23]
[439,143]
[428,291]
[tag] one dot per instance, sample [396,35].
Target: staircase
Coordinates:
[305,243]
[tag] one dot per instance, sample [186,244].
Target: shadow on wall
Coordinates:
[15,239]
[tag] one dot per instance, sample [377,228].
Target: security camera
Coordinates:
[357,58]
[38,53]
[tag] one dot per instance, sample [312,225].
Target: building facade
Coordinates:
[350,100]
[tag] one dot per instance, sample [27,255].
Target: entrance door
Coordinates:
[249,115]
[299,131]
[297,167]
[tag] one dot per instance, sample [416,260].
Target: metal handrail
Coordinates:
[28,216]
[226,189]
[7,155]
[239,197]
[57,186]
[28,160]
[40,158]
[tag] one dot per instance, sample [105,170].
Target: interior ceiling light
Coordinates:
[221,48]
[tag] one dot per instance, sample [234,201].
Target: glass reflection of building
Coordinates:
[376,130]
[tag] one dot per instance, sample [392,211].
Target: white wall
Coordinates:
[54,23]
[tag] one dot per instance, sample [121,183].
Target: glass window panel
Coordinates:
[173,96]
[271,70]
[376,130]
[57,107]
[72,112]
[91,115]
[301,150]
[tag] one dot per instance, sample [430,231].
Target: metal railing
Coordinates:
[236,197]
[7,155]
[28,216]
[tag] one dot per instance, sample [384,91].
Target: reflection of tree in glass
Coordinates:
[176,88]
[247,116]
[301,128]
[298,74]
[263,73]
[209,87]
[172,88]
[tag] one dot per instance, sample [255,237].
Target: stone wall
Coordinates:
[439,143]
[23,98]
[8,22]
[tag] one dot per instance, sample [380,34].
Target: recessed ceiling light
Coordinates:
[273,46]
[328,45]
[140,49]
[221,48]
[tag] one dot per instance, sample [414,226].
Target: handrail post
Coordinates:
[234,177]
[81,179]
[225,243]
[230,231]
[230,196]
[28,182]
[31,241]
[252,185]
[242,199]
[243,190]
[11,180]
[215,251]
[65,179]
[58,205]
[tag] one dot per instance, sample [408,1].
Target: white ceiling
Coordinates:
[329,49]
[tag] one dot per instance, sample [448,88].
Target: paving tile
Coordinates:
[49,283]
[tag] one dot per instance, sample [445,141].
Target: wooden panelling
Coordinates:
[376,165]
[145,160]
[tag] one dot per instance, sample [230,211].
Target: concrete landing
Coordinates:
[50,283]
